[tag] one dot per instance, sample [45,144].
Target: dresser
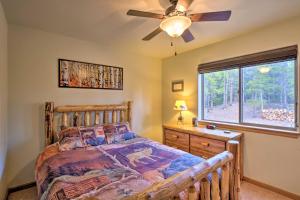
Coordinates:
[201,141]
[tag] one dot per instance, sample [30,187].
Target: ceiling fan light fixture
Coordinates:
[174,26]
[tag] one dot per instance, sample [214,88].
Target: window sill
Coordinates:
[239,127]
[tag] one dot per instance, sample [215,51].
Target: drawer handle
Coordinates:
[206,144]
[175,136]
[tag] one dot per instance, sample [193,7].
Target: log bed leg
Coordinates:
[129,113]
[205,189]
[114,116]
[225,183]
[234,168]
[215,190]
[122,116]
[193,195]
[97,118]
[76,119]
[64,121]
[106,117]
[87,118]
[49,118]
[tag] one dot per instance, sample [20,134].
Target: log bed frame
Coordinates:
[213,185]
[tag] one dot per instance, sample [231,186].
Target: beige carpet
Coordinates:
[249,192]
[253,192]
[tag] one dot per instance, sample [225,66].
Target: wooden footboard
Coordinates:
[213,185]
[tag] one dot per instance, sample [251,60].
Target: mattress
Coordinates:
[113,171]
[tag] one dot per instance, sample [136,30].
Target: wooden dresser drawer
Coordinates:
[205,144]
[175,137]
[177,146]
[202,154]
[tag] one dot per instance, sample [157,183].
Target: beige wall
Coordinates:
[3,100]
[33,80]
[270,159]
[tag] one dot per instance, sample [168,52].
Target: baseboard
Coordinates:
[18,188]
[272,188]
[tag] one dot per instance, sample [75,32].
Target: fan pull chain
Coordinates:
[172,45]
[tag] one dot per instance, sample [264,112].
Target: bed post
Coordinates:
[129,113]
[49,116]
[235,181]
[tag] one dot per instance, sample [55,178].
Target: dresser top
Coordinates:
[202,131]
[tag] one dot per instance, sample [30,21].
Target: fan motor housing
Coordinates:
[174,2]
[170,9]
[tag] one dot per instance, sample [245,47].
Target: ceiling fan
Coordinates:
[176,19]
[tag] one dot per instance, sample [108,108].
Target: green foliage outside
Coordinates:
[268,90]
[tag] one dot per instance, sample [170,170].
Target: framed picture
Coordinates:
[76,74]
[178,86]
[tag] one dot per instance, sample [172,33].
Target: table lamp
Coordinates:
[181,106]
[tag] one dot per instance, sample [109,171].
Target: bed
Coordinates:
[138,168]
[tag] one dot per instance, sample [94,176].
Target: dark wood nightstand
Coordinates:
[201,141]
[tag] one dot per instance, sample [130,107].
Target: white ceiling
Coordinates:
[105,21]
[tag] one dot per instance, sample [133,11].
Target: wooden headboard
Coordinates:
[83,115]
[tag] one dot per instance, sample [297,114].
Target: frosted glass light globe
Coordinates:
[175,25]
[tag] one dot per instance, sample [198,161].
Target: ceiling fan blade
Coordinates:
[187,36]
[152,34]
[183,5]
[211,16]
[138,13]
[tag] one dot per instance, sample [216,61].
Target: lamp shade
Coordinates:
[175,25]
[180,105]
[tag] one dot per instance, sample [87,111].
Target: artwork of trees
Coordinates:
[74,74]
[268,94]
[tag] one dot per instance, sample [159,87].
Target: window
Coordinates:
[221,95]
[256,90]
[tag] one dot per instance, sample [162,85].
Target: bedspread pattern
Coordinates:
[109,171]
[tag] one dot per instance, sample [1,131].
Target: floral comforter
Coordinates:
[108,171]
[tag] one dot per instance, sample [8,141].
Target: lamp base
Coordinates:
[180,119]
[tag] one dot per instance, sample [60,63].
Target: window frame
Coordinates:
[281,55]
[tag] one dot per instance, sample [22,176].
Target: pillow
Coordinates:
[111,134]
[68,132]
[123,129]
[69,139]
[93,136]
[117,133]
[69,143]
[100,136]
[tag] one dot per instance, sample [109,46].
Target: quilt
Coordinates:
[113,171]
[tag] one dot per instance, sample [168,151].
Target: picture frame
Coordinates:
[178,86]
[77,74]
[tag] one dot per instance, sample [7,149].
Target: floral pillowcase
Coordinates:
[118,132]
